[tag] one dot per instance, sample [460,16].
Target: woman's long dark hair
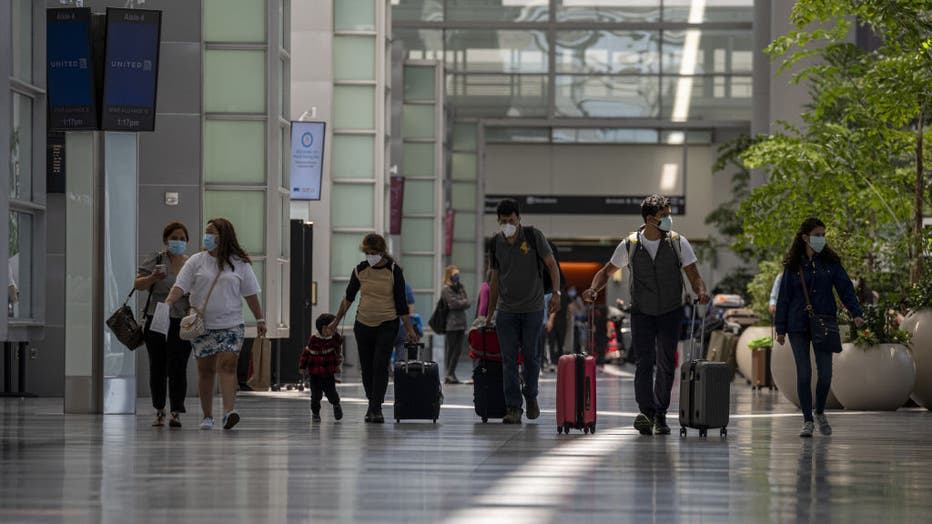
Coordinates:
[227,244]
[798,249]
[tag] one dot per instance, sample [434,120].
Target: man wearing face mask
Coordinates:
[523,265]
[656,258]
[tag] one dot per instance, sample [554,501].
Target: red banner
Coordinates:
[448,231]
[396,203]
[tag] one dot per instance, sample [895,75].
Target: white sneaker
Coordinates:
[808,427]
[824,427]
[230,419]
[207,423]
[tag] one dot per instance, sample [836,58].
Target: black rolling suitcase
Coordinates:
[488,384]
[705,391]
[418,395]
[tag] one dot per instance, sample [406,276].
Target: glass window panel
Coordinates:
[22,39]
[707,52]
[708,11]
[234,81]
[246,210]
[600,135]
[499,10]
[417,10]
[419,159]
[353,58]
[420,44]
[234,152]
[603,96]
[608,52]
[354,107]
[608,10]
[464,166]
[20,147]
[354,15]
[478,95]
[691,137]
[344,255]
[464,227]
[464,255]
[258,267]
[464,136]
[464,196]
[424,306]
[286,226]
[234,20]
[337,293]
[20,264]
[286,156]
[353,156]
[696,98]
[419,272]
[419,197]
[417,235]
[352,205]
[418,121]
[420,83]
[517,134]
[490,51]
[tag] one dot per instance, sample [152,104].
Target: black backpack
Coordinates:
[531,238]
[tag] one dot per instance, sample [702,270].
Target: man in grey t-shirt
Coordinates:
[519,256]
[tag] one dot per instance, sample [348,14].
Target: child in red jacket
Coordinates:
[321,360]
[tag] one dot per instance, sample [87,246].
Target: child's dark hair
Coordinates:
[325,319]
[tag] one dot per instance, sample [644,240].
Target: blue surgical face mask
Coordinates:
[177,247]
[210,242]
[817,243]
[571,294]
[666,224]
[455,279]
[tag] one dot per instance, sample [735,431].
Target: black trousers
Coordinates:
[375,346]
[323,385]
[168,362]
[655,339]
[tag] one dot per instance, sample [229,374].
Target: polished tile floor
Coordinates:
[276,466]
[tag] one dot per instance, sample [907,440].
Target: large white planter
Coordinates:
[743,354]
[878,378]
[919,325]
[783,369]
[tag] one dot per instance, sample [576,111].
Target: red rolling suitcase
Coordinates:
[576,397]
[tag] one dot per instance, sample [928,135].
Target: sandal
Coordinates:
[159,419]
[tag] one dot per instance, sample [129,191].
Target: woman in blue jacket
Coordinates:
[823,272]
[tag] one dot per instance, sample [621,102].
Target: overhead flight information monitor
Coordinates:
[131,69]
[71,96]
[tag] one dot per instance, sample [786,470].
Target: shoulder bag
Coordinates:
[123,323]
[192,326]
[824,328]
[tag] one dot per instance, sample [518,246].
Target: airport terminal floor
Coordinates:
[278,466]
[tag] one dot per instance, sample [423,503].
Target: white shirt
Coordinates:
[620,258]
[225,309]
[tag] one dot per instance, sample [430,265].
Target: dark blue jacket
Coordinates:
[821,278]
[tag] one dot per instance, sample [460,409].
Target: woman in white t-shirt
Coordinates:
[222,310]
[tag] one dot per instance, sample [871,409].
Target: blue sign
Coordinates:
[70,66]
[131,69]
[307,159]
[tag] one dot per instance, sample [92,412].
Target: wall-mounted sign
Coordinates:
[396,197]
[70,66]
[307,159]
[581,205]
[131,68]
[55,162]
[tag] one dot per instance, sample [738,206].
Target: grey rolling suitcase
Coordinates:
[705,390]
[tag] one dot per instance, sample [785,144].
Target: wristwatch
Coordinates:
[558,293]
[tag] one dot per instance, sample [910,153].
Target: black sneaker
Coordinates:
[369,415]
[337,412]
[660,424]
[315,417]
[643,424]
[377,417]
[533,409]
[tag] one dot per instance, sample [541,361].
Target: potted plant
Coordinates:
[875,371]
[759,290]
[918,323]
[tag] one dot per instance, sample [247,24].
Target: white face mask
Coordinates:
[509,230]
[373,259]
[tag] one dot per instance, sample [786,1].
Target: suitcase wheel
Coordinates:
[435,421]
[703,433]
[683,432]
[559,430]
[592,428]
[485,420]
[724,433]
[586,430]
[397,421]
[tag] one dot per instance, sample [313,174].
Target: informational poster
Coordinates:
[55,162]
[131,67]
[307,159]
[70,69]
[581,204]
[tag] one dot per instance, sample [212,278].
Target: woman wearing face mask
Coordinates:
[381,284]
[811,267]
[168,355]
[218,280]
[454,295]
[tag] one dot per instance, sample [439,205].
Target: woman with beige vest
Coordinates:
[381,283]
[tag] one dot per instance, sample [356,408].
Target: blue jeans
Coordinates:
[519,330]
[800,344]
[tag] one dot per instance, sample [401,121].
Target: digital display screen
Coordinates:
[71,97]
[307,159]
[131,68]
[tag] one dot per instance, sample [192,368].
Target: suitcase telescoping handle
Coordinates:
[693,354]
[416,347]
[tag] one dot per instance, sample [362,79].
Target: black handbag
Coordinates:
[123,323]
[823,328]
[438,319]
